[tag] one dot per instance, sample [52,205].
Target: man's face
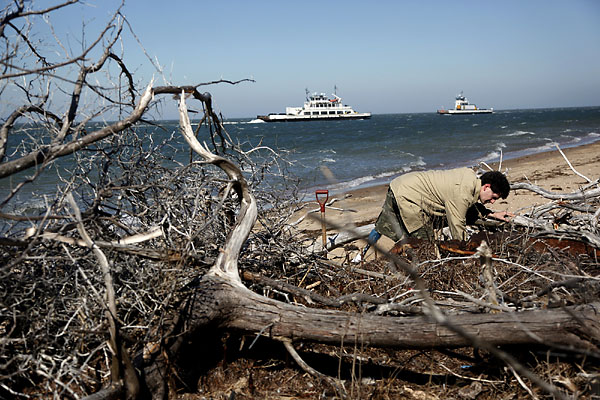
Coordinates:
[487,195]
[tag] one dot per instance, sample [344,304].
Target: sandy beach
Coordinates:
[548,170]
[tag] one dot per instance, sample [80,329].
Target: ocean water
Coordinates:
[361,153]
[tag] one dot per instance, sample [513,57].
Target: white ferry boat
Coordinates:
[462,106]
[317,107]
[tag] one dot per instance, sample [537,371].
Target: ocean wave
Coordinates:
[256,121]
[569,139]
[33,206]
[419,163]
[411,166]
[594,134]
[379,178]
[353,183]
[494,155]
[520,133]
[386,174]
[329,160]
[539,149]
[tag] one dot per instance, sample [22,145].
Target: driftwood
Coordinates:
[154,260]
[223,300]
[243,309]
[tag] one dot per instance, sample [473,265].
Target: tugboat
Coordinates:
[317,107]
[462,106]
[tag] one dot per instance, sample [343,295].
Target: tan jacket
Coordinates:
[447,193]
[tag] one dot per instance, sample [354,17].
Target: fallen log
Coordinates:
[234,306]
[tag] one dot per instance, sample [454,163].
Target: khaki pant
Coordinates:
[390,224]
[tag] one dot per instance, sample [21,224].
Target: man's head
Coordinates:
[494,185]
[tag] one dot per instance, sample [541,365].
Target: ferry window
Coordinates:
[331,112]
[315,113]
[306,113]
[339,112]
[323,112]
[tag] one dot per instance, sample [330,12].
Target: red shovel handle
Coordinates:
[320,200]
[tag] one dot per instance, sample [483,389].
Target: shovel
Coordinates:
[322,203]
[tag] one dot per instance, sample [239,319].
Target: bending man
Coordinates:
[417,203]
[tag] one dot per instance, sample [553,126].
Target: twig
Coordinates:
[523,385]
[571,166]
[121,367]
[337,385]
[468,377]
[485,259]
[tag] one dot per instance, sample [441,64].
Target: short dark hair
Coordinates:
[498,183]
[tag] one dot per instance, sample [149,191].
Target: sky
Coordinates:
[383,56]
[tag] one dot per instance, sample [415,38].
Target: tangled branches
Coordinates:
[137,251]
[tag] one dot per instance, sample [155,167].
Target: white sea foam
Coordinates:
[494,155]
[520,133]
[374,179]
[594,134]
[356,182]
[566,139]
[330,160]
[420,162]
[385,174]
[256,121]
[551,145]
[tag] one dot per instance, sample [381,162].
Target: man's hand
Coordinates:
[502,215]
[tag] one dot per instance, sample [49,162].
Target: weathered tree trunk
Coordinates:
[240,308]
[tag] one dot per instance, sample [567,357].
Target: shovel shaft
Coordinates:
[322,203]
[324,229]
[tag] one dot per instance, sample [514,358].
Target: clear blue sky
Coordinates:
[384,56]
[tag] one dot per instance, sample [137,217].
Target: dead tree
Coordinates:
[116,273]
[224,300]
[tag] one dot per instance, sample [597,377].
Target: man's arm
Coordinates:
[501,215]
[456,214]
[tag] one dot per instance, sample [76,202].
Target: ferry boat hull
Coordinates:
[478,111]
[317,107]
[289,118]
[462,106]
